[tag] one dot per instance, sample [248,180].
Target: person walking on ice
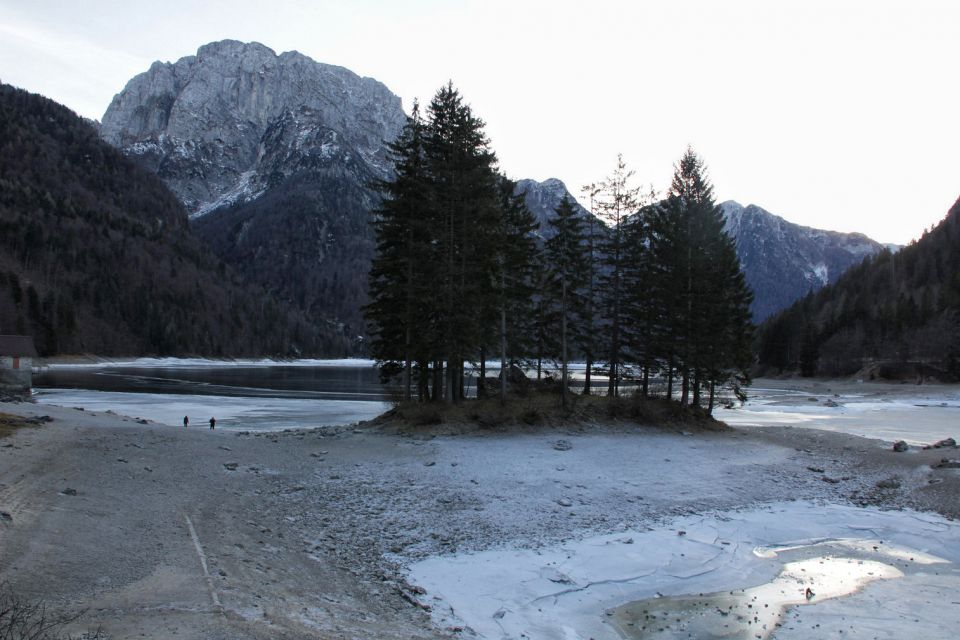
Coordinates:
[213,422]
[186,421]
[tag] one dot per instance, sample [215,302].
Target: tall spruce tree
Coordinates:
[400,302]
[512,284]
[617,200]
[710,337]
[595,241]
[464,198]
[643,296]
[567,266]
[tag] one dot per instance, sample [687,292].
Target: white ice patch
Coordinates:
[232,413]
[917,419]
[185,363]
[572,591]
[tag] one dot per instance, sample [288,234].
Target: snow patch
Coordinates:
[242,191]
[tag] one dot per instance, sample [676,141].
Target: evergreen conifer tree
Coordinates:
[567,268]
[618,199]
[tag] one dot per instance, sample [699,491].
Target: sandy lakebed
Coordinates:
[599,532]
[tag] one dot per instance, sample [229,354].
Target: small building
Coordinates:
[16,363]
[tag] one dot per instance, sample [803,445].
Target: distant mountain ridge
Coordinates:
[783,261]
[236,119]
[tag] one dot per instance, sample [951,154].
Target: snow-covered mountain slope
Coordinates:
[783,261]
[224,126]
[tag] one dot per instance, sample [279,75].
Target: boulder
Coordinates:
[900,446]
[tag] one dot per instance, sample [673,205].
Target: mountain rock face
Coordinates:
[274,157]
[782,261]
[235,120]
[543,198]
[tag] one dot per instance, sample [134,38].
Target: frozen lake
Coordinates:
[240,395]
[918,415]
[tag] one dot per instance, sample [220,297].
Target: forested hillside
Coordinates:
[895,315]
[97,256]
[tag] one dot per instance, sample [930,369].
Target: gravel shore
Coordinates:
[162,532]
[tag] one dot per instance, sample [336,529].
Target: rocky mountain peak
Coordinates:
[543,198]
[201,122]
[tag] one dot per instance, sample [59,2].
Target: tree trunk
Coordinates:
[696,388]
[437,394]
[646,381]
[670,379]
[481,381]
[685,388]
[586,375]
[563,341]
[407,366]
[423,382]
[503,354]
[613,385]
[710,405]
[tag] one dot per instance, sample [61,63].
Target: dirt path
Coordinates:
[163,532]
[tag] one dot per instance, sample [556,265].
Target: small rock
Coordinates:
[69,492]
[429,464]
[230,466]
[946,443]
[142,421]
[830,403]
[815,469]
[562,445]
[6,517]
[499,613]
[224,448]
[565,502]
[829,479]
[900,446]
[946,463]
[121,460]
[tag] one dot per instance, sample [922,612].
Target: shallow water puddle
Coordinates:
[756,612]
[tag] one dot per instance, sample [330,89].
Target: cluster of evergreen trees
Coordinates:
[462,273]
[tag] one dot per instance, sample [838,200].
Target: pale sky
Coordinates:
[834,114]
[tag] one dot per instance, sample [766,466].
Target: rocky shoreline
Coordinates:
[308,533]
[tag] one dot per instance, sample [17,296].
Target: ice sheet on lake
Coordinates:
[571,591]
[917,419]
[230,412]
[174,363]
